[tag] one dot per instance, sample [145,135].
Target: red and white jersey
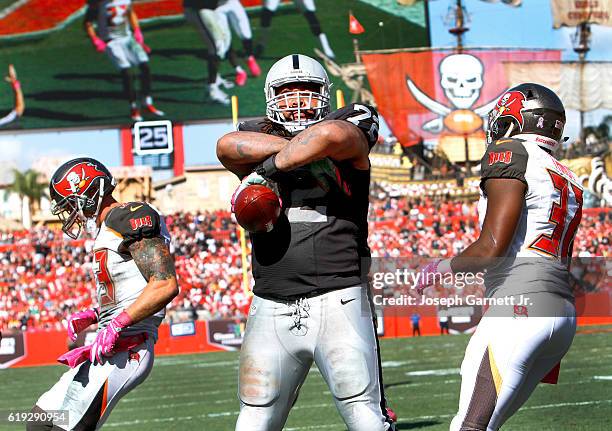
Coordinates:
[553,204]
[118,280]
[111,18]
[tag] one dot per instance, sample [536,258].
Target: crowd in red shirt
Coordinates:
[45,277]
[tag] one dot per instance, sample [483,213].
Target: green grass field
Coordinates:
[198,392]
[68,84]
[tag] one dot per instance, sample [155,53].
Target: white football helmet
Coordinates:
[293,69]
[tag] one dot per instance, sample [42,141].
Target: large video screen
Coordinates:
[108,62]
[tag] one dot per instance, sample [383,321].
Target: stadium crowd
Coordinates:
[44,277]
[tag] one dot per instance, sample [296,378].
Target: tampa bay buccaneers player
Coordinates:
[135,280]
[311,301]
[113,28]
[530,209]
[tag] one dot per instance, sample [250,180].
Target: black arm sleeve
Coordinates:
[505,158]
[363,116]
[134,221]
[92,11]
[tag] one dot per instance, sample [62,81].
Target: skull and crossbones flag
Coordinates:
[440,92]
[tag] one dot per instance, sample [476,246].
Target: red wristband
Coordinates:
[16,84]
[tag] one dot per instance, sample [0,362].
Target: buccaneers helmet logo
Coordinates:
[77,179]
[510,105]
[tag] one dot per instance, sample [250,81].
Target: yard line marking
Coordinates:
[169,419]
[439,372]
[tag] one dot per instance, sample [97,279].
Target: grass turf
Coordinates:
[199,391]
[67,83]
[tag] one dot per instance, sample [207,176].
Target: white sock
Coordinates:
[148,100]
[325,43]
[239,69]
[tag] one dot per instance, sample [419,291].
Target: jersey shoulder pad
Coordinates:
[251,125]
[134,221]
[505,158]
[91,11]
[361,115]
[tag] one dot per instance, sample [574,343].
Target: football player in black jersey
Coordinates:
[135,280]
[311,300]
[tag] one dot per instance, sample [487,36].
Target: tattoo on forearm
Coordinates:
[299,151]
[250,146]
[242,149]
[153,259]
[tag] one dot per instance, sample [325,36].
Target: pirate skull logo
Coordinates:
[461,78]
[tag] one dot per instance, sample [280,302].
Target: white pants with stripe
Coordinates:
[125,52]
[90,392]
[283,339]
[508,356]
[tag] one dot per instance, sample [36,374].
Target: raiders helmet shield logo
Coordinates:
[510,105]
[78,179]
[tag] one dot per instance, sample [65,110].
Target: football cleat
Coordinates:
[241,78]
[253,66]
[217,95]
[151,109]
[136,114]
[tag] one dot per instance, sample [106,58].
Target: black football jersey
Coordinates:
[319,242]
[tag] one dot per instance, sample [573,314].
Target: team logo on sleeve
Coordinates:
[504,157]
[137,223]
[510,105]
[78,179]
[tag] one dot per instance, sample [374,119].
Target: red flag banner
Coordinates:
[436,94]
[355,26]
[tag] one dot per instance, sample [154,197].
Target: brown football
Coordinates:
[257,208]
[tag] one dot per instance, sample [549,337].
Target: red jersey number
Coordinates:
[553,244]
[105,283]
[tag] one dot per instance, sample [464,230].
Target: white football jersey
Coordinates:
[553,208]
[118,280]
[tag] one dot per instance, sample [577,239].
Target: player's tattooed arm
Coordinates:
[239,152]
[337,139]
[153,259]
